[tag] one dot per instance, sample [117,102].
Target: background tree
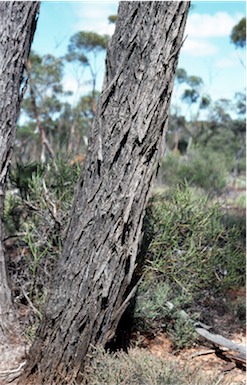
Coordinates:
[42,104]
[17,26]
[83,49]
[238,34]
[238,37]
[185,127]
[90,286]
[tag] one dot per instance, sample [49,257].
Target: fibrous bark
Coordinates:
[17,26]
[90,287]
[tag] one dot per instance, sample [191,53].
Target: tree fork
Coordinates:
[90,287]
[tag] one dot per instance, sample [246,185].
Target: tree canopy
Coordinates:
[238,34]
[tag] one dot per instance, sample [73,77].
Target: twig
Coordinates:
[10,371]
[51,205]
[36,311]
[202,353]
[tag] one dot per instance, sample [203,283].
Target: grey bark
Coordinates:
[90,287]
[17,26]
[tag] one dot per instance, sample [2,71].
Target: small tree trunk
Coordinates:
[17,26]
[90,287]
[45,145]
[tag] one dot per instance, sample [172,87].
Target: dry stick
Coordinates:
[202,353]
[36,311]
[51,205]
[222,341]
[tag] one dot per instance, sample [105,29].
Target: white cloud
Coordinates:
[199,47]
[94,17]
[218,25]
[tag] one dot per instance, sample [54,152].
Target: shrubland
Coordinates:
[191,253]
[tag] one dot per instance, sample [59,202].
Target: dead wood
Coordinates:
[219,340]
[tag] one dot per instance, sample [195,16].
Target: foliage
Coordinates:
[35,215]
[50,121]
[200,168]
[45,75]
[192,93]
[181,332]
[83,49]
[238,34]
[112,19]
[153,312]
[192,253]
[84,41]
[138,367]
[196,242]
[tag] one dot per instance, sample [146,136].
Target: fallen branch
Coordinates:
[222,341]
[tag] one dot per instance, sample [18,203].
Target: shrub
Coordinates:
[192,252]
[36,209]
[191,243]
[138,367]
[154,312]
[200,168]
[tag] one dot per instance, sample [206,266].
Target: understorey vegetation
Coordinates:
[192,254]
[192,261]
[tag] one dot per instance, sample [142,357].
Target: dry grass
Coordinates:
[140,367]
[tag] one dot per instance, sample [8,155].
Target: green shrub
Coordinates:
[36,209]
[241,201]
[192,252]
[182,333]
[154,312]
[192,246]
[200,168]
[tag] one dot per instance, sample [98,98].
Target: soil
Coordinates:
[199,359]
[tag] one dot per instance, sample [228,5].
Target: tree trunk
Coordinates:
[90,287]
[17,26]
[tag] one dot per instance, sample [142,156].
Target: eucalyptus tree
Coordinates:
[17,26]
[186,126]
[42,105]
[238,38]
[90,288]
[238,34]
[83,49]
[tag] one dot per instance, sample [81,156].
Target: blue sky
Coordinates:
[207,51]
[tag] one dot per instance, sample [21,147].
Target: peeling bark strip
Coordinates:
[89,290]
[17,26]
